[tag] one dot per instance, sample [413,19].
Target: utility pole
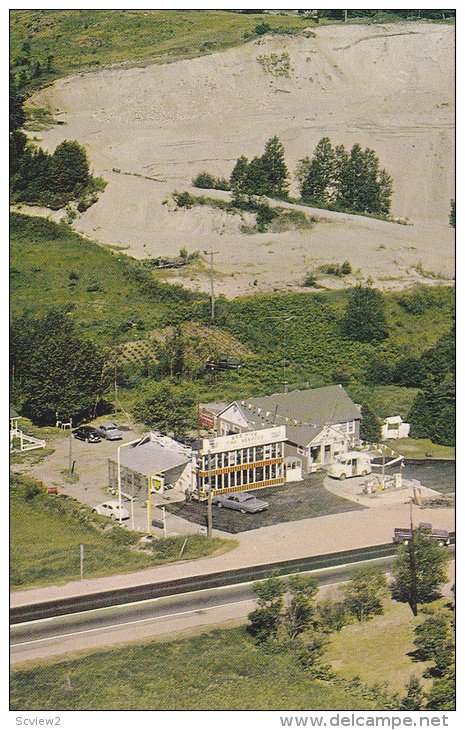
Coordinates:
[413,567]
[70,459]
[212,290]
[82,561]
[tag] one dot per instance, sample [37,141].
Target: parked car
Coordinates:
[109,431]
[111,509]
[223,362]
[87,433]
[404,534]
[241,501]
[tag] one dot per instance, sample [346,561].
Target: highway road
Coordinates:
[138,620]
[170,615]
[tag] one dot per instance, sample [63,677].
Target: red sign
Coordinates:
[207,419]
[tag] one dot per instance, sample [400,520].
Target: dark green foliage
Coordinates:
[415,697]
[431,560]
[331,615]
[435,641]
[262,28]
[184,199]
[168,408]
[336,269]
[265,175]
[70,167]
[317,175]
[17,97]
[442,693]
[300,610]
[208,181]
[56,371]
[433,410]
[353,182]
[364,318]
[363,595]
[265,621]
[452,214]
[370,427]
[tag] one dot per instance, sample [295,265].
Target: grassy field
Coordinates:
[221,670]
[89,39]
[46,534]
[111,297]
[418,448]
[360,649]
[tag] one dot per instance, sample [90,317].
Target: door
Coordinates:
[327,454]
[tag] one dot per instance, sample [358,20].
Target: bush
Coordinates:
[208,181]
[184,199]
[262,28]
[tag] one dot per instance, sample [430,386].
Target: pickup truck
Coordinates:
[404,534]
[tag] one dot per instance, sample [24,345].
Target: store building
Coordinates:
[240,462]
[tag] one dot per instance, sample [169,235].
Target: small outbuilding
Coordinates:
[394,428]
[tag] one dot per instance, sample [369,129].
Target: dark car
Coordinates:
[87,433]
[223,362]
[241,501]
[404,534]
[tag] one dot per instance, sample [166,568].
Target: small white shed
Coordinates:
[394,428]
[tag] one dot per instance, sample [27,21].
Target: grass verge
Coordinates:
[46,533]
[221,670]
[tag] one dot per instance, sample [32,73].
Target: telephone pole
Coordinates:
[212,290]
[413,567]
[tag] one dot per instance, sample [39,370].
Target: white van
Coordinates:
[350,464]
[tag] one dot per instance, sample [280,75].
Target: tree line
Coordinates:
[331,178]
[41,178]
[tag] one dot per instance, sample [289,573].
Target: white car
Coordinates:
[111,509]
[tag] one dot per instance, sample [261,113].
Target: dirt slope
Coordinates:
[390,87]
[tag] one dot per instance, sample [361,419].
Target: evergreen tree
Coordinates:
[274,168]
[385,189]
[17,96]
[69,168]
[317,176]
[414,699]
[370,429]
[364,319]
[238,177]
[55,369]
[420,417]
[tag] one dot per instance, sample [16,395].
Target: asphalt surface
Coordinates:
[114,625]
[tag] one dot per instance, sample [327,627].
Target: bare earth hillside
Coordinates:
[390,87]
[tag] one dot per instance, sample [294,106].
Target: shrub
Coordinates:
[262,28]
[184,199]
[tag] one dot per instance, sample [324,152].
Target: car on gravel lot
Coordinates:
[111,509]
[109,431]
[241,501]
[87,433]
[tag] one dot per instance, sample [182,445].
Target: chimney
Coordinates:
[285,385]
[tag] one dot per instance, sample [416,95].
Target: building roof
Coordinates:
[149,456]
[314,407]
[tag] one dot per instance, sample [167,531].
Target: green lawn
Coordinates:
[221,670]
[46,533]
[88,39]
[377,650]
[418,448]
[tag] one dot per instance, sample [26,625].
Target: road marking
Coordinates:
[328,569]
[128,623]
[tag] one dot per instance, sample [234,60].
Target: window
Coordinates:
[351,427]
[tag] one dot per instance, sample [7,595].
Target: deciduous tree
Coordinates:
[364,593]
[431,560]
